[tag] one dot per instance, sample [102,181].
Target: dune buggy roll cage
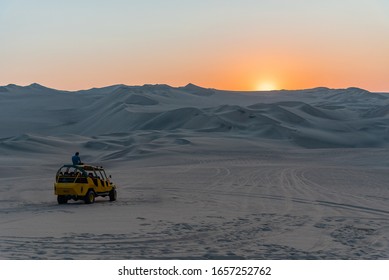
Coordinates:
[70,173]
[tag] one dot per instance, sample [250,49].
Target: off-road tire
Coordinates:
[90,197]
[113,195]
[61,199]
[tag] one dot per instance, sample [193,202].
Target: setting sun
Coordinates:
[266,86]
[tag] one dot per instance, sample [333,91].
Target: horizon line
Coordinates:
[180,87]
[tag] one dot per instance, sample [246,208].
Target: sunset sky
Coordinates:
[224,44]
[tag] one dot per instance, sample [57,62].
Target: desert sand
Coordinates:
[201,173]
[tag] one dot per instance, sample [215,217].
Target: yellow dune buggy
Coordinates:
[83,182]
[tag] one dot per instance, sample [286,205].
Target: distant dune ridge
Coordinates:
[312,118]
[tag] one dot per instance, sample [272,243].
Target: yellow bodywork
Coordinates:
[80,188]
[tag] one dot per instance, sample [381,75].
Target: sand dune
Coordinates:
[340,118]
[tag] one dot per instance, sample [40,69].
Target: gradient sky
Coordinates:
[224,44]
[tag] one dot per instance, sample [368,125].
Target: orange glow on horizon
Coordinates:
[260,45]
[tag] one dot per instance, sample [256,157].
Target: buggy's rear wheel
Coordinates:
[90,197]
[62,199]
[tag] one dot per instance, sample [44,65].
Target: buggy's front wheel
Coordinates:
[113,195]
